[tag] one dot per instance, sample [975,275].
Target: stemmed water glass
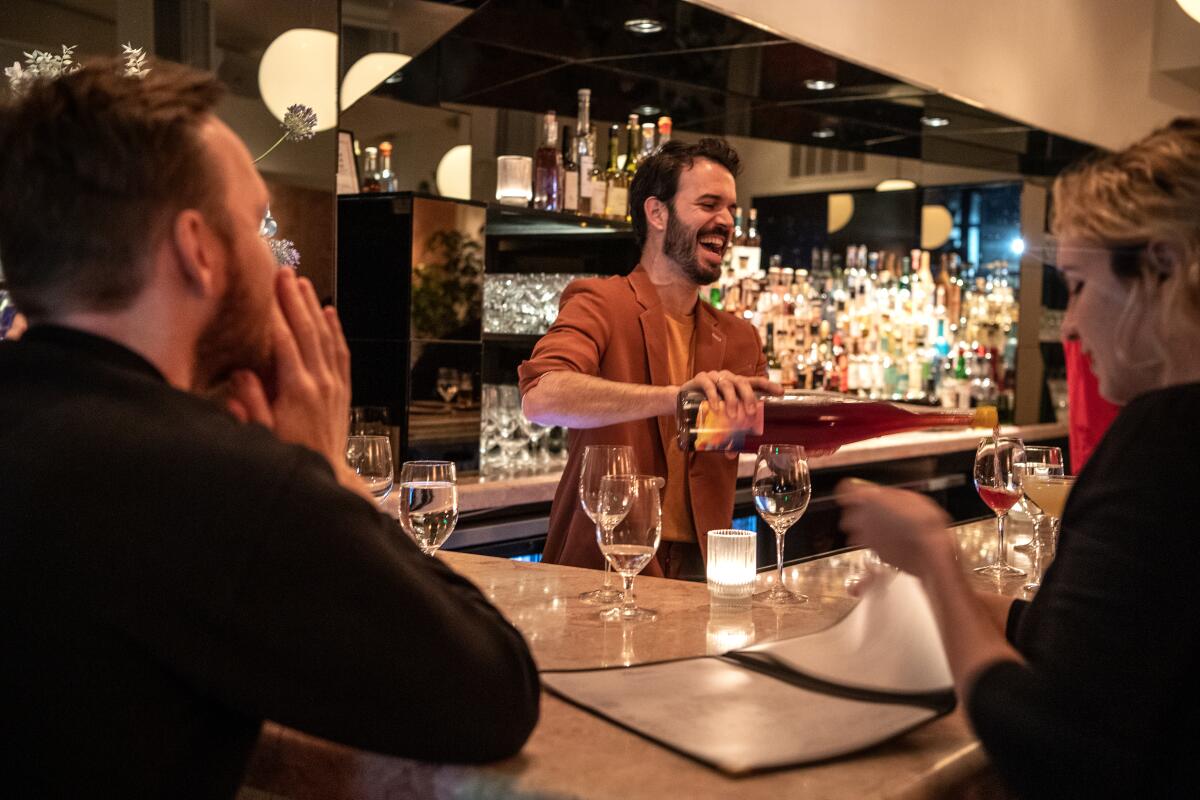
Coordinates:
[1038,461]
[628,534]
[371,458]
[428,502]
[998,482]
[599,461]
[782,488]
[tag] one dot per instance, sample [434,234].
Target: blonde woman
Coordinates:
[1091,689]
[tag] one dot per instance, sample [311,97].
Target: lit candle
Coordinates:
[731,563]
[514,180]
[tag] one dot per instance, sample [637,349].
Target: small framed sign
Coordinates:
[347,164]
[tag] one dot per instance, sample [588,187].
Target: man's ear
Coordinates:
[1165,258]
[657,213]
[200,253]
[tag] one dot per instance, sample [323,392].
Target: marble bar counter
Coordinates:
[575,754]
[477,494]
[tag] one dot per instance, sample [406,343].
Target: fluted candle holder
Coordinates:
[731,564]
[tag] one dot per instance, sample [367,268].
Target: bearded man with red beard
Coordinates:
[612,365]
[171,573]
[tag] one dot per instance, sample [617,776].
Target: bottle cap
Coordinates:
[385,147]
[986,417]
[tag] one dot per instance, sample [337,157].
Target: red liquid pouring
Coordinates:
[816,421]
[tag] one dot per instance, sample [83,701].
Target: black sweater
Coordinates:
[1108,703]
[170,578]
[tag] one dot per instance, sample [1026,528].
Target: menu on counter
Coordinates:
[879,672]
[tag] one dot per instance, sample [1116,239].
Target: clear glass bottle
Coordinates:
[547,167]
[370,179]
[664,130]
[616,183]
[752,237]
[387,178]
[585,151]
[648,145]
[570,171]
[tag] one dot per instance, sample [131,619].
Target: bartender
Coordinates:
[612,365]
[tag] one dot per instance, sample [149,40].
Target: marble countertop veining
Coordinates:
[575,754]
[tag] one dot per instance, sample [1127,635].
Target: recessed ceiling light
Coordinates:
[818,85]
[395,77]
[823,133]
[934,122]
[644,26]
[647,111]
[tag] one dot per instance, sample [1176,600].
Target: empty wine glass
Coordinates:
[782,488]
[998,483]
[371,458]
[628,534]
[599,461]
[1038,461]
[428,502]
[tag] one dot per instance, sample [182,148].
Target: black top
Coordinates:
[1109,702]
[169,578]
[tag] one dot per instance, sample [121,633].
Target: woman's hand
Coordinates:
[907,529]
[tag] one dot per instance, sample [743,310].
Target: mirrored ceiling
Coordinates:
[711,73]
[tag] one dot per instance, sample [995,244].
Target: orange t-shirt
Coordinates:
[677,522]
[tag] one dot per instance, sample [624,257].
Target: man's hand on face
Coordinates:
[310,399]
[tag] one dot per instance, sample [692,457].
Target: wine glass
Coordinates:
[447,385]
[998,483]
[1038,461]
[1050,493]
[428,502]
[371,458]
[782,488]
[630,529]
[599,461]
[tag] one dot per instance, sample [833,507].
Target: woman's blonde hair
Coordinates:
[1145,195]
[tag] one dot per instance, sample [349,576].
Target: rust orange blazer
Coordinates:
[615,328]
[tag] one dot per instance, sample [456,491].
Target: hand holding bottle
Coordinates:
[733,398]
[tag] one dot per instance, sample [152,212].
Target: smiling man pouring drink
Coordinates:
[612,365]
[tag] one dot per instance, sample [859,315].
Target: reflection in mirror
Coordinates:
[219,35]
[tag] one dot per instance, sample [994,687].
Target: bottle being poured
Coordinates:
[815,420]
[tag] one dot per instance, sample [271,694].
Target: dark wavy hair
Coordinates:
[658,175]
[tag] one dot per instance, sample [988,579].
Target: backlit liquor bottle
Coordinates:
[816,420]
[547,167]
[632,151]
[585,151]
[616,182]
[664,130]
[370,181]
[387,178]
[597,179]
[739,233]
[570,182]
[648,146]
[752,237]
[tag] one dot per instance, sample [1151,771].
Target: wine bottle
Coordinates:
[816,420]
[585,152]
[547,167]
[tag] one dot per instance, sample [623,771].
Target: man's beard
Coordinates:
[680,244]
[237,337]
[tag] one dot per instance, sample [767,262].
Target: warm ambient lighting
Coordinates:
[644,26]
[818,85]
[367,73]
[895,185]
[300,66]
[1191,8]
[454,173]
[823,133]
[934,122]
[731,562]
